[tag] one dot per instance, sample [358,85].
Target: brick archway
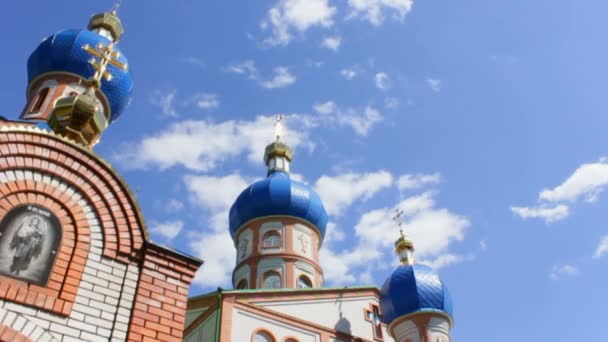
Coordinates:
[123,227]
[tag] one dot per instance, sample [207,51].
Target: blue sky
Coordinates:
[485,121]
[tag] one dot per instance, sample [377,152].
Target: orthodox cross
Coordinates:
[398,219]
[116,7]
[373,316]
[303,243]
[102,56]
[278,126]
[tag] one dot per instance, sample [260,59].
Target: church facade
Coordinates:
[77,264]
[278,225]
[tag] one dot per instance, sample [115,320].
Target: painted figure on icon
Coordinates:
[27,242]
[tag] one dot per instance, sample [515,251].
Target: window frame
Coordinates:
[40,100]
[270,234]
[306,279]
[269,274]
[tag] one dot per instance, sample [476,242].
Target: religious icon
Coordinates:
[303,243]
[29,239]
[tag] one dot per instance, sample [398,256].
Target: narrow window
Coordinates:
[40,99]
[271,240]
[242,284]
[272,280]
[304,282]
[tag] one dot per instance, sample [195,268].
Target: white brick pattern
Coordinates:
[103,304]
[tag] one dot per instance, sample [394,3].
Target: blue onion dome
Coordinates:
[278,194]
[63,53]
[413,288]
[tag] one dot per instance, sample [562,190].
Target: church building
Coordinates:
[278,225]
[77,264]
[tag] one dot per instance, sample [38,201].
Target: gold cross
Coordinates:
[278,126]
[102,56]
[397,218]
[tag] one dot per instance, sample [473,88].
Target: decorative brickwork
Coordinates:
[162,295]
[79,168]
[10,335]
[105,275]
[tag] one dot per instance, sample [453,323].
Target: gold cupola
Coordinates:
[278,155]
[81,116]
[404,246]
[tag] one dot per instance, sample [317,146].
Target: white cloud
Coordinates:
[587,181]
[168,230]
[339,192]
[349,73]
[372,10]
[602,248]
[483,245]
[215,193]
[434,83]
[417,181]
[325,107]
[217,249]
[246,67]
[331,114]
[299,15]
[332,42]
[391,103]
[560,271]
[432,229]
[206,101]
[383,82]
[549,214]
[200,144]
[362,124]
[166,102]
[444,260]
[281,79]
[333,233]
[195,61]
[173,205]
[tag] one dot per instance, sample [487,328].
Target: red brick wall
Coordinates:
[162,295]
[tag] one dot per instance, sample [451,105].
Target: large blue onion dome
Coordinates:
[412,289]
[63,52]
[278,194]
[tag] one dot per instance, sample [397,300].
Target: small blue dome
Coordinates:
[278,195]
[413,288]
[62,52]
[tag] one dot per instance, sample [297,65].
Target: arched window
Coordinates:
[242,284]
[271,240]
[290,339]
[40,99]
[304,282]
[272,280]
[263,336]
